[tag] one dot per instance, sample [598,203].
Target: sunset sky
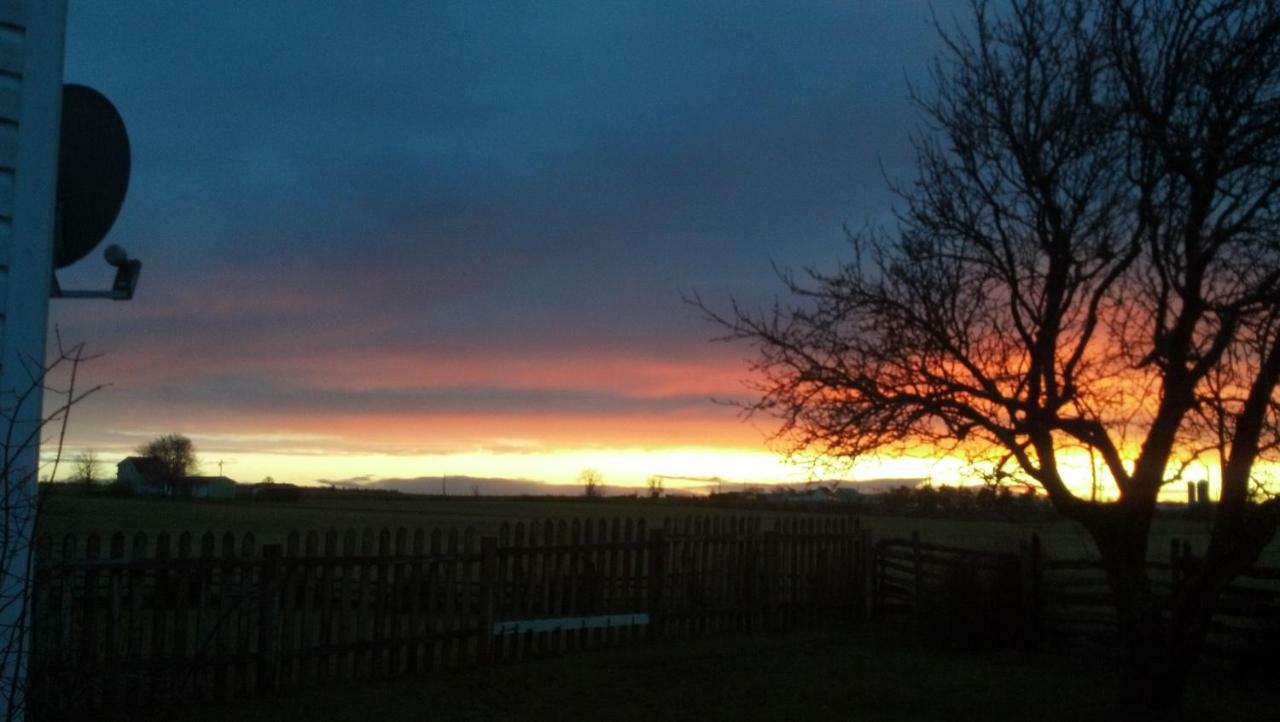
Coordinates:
[452,238]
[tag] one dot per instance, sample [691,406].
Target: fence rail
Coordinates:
[1028,598]
[1246,623]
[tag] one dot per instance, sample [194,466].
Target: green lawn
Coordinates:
[834,675]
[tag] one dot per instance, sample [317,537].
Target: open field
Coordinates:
[271,521]
[865,675]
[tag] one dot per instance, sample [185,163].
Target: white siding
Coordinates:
[12,36]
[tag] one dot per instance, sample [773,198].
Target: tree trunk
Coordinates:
[1157,668]
[1156,657]
[1162,639]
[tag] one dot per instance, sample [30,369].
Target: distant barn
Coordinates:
[142,476]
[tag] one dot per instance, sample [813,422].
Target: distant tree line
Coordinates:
[1000,503]
[951,502]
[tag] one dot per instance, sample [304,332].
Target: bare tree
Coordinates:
[1088,260]
[655,486]
[173,453]
[85,468]
[592,481]
[55,379]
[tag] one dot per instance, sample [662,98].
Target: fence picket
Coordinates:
[93,652]
[415,624]
[181,645]
[326,629]
[62,590]
[289,618]
[533,587]
[381,609]
[270,589]
[161,611]
[561,590]
[362,620]
[134,625]
[247,613]
[451,613]
[399,605]
[347,599]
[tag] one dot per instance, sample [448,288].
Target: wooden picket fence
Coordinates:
[123,622]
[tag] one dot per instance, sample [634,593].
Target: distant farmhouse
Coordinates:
[142,476]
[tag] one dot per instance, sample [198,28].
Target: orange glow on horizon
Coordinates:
[544,447]
[656,422]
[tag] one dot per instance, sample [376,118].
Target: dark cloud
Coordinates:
[256,394]
[513,177]
[353,481]
[486,486]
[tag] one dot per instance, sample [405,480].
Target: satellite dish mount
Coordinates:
[93,176]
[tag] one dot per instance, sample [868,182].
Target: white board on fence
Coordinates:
[564,623]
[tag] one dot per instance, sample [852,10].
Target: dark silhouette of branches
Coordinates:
[20,502]
[85,468]
[592,483]
[174,454]
[1087,260]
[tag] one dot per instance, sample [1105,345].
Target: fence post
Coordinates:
[1029,584]
[867,560]
[771,579]
[488,582]
[657,577]
[268,617]
[917,574]
[1175,566]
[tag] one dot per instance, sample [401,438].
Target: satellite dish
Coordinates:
[93,172]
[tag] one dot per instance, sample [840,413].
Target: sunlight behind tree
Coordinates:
[1088,260]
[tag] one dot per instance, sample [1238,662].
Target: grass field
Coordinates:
[829,675]
[272,521]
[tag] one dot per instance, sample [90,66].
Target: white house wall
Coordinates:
[32,34]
